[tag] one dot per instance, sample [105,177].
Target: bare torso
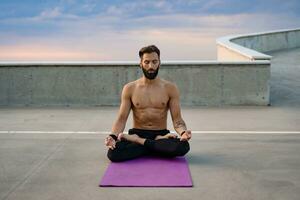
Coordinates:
[150,98]
[149,104]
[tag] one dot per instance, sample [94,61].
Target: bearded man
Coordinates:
[149,98]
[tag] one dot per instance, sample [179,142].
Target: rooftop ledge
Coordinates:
[129,63]
[227,42]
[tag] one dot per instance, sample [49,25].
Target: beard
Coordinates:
[150,75]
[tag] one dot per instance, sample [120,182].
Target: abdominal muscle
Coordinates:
[150,118]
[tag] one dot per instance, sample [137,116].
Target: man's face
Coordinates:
[150,65]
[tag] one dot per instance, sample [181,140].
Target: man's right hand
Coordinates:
[110,142]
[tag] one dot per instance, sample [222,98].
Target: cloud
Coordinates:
[111,45]
[139,8]
[45,16]
[118,37]
[212,4]
[115,10]
[50,13]
[48,52]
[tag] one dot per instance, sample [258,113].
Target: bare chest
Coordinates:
[150,98]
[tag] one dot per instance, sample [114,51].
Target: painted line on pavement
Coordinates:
[108,132]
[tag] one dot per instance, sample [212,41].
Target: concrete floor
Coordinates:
[231,166]
[55,164]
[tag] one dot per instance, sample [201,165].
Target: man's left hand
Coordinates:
[186,135]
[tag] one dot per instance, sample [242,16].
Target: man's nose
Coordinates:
[151,66]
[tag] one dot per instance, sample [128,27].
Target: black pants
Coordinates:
[126,150]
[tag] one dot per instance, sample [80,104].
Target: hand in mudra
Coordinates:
[110,142]
[186,135]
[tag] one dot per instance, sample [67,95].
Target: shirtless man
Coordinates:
[150,98]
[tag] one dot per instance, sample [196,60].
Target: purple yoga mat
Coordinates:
[148,172]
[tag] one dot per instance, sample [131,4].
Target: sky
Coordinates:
[114,30]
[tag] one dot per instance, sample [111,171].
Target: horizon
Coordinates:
[89,30]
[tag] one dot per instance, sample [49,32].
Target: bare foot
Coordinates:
[131,138]
[167,136]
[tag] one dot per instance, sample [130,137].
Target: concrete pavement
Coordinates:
[69,165]
[95,119]
[231,166]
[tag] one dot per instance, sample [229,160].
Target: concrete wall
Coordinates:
[253,46]
[271,41]
[226,54]
[95,84]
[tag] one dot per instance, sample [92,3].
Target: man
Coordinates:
[150,98]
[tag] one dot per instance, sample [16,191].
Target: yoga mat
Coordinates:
[148,172]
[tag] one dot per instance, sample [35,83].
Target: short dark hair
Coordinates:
[149,49]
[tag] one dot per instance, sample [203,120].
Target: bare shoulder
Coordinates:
[130,85]
[128,88]
[171,87]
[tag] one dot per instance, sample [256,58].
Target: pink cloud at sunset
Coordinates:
[183,30]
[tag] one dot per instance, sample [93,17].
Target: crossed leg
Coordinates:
[133,146]
[126,150]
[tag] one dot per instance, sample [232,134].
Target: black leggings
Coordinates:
[126,150]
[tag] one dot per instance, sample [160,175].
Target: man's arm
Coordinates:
[174,105]
[120,123]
